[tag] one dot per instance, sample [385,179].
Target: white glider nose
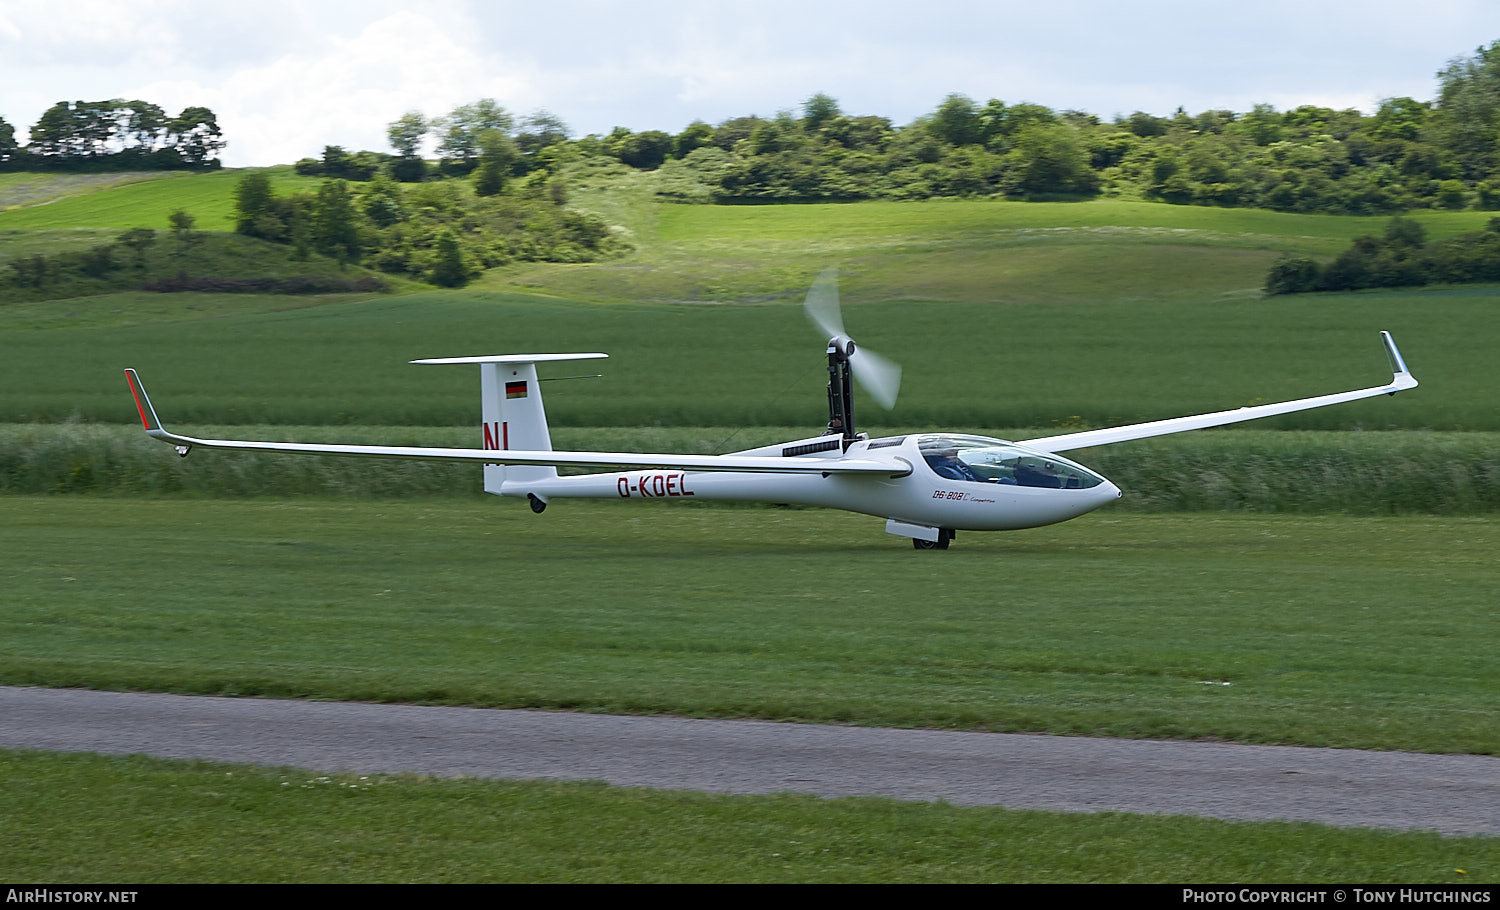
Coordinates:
[1106,493]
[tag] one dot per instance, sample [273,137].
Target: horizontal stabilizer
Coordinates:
[513,358]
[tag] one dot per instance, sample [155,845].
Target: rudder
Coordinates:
[511,413]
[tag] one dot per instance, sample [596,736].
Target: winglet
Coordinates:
[149,420]
[1401,376]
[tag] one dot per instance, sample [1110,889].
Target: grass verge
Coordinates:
[85,819]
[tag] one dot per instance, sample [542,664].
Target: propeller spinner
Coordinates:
[879,376]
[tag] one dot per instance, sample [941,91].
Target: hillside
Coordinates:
[1004,314]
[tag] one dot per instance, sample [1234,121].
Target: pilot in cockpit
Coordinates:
[947,464]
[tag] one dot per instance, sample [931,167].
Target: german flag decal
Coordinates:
[515,389]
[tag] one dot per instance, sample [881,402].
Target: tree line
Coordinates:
[114,135]
[1409,154]
[1400,257]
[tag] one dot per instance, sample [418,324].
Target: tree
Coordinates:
[734,130]
[8,146]
[55,134]
[1400,118]
[860,133]
[1468,110]
[1262,125]
[335,227]
[195,135]
[448,270]
[335,161]
[1047,158]
[497,155]
[956,121]
[145,125]
[31,271]
[697,135]
[409,170]
[646,150]
[252,201]
[182,229]
[406,132]
[96,261]
[540,130]
[782,134]
[182,223]
[1405,232]
[1145,125]
[818,110]
[458,133]
[999,125]
[382,202]
[139,240]
[1292,275]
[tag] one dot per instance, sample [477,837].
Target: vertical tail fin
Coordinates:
[511,413]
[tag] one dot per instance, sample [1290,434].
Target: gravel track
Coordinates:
[1452,794]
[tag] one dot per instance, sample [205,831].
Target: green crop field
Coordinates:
[243,360]
[1321,579]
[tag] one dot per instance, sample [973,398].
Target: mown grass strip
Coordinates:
[1371,633]
[84,819]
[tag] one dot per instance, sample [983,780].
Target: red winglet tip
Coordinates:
[131,379]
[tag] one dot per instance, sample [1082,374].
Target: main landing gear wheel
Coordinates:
[945,537]
[537,505]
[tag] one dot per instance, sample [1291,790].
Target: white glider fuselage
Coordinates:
[913,492]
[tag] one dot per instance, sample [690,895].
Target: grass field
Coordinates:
[986,251]
[1003,314]
[248,360]
[22,189]
[85,819]
[1373,633]
[62,202]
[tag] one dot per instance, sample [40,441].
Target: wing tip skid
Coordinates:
[1400,375]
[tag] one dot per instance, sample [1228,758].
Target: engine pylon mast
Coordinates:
[841,390]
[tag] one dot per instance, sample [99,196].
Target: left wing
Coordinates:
[1400,380]
[737,463]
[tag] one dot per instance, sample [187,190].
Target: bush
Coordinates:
[1292,275]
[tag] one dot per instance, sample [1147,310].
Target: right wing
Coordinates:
[737,463]
[1401,379]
